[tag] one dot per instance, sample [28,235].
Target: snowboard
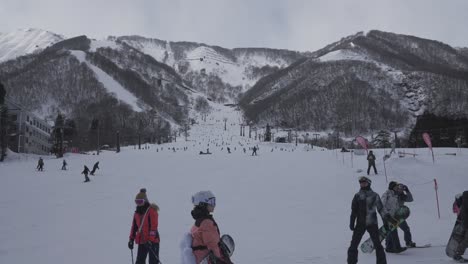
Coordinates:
[455,238]
[227,246]
[401,215]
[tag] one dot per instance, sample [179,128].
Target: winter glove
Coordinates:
[149,244]
[130,244]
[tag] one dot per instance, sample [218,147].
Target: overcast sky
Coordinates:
[288,24]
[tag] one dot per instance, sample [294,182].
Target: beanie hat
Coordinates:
[142,195]
[364,178]
[392,185]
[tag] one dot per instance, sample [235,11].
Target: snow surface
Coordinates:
[111,85]
[283,206]
[24,41]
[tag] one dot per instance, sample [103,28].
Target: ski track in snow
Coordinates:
[289,206]
[109,83]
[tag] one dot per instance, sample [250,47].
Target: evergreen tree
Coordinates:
[382,140]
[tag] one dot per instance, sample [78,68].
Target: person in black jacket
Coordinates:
[95,167]
[364,218]
[371,160]
[85,172]
[463,217]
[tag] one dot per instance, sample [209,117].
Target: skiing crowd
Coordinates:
[206,245]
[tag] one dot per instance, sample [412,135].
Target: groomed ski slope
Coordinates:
[280,207]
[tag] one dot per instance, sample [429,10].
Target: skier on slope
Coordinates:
[392,202]
[364,218]
[95,167]
[463,218]
[85,172]
[64,165]
[205,232]
[144,230]
[40,164]
[371,162]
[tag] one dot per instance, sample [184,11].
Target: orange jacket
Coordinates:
[149,230]
[206,235]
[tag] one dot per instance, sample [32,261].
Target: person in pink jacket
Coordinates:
[205,231]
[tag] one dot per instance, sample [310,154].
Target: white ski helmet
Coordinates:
[204,197]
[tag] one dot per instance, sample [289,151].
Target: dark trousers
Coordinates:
[406,230]
[86,177]
[371,164]
[373,231]
[144,250]
[392,242]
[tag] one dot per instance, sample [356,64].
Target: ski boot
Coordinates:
[411,245]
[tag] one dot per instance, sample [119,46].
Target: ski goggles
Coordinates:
[140,201]
[211,201]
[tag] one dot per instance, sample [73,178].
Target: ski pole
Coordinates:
[131,252]
[154,253]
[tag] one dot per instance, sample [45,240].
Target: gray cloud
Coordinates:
[296,24]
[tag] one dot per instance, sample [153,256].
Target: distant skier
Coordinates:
[463,218]
[363,217]
[254,151]
[40,164]
[95,167]
[392,202]
[205,231]
[144,230]
[85,172]
[229,150]
[64,165]
[371,161]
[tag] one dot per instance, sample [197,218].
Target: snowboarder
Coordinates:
[463,219]
[144,230]
[64,165]
[371,160]
[404,195]
[391,202]
[364,218]
[85,172]
[254,151]
[40,164]
[205,232]
[95,167]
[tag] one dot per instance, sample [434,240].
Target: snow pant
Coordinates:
[86,177]
[371,164]
[392,242]
[463,244]
[93,171]
[64,167]
[358,232]
[406,230]
[144,250]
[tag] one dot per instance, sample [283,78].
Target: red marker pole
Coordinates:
[437,196]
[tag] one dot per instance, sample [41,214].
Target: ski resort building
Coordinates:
[29,133]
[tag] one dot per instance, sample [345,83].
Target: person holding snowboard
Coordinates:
[391,202]
[364,218]
[463,218]
[405,196]
[144,230]
[371,162]
[95,167]
[205,232]
[85,172]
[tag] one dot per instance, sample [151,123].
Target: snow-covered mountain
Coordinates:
[200,64]
[364,82]
[25,41]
